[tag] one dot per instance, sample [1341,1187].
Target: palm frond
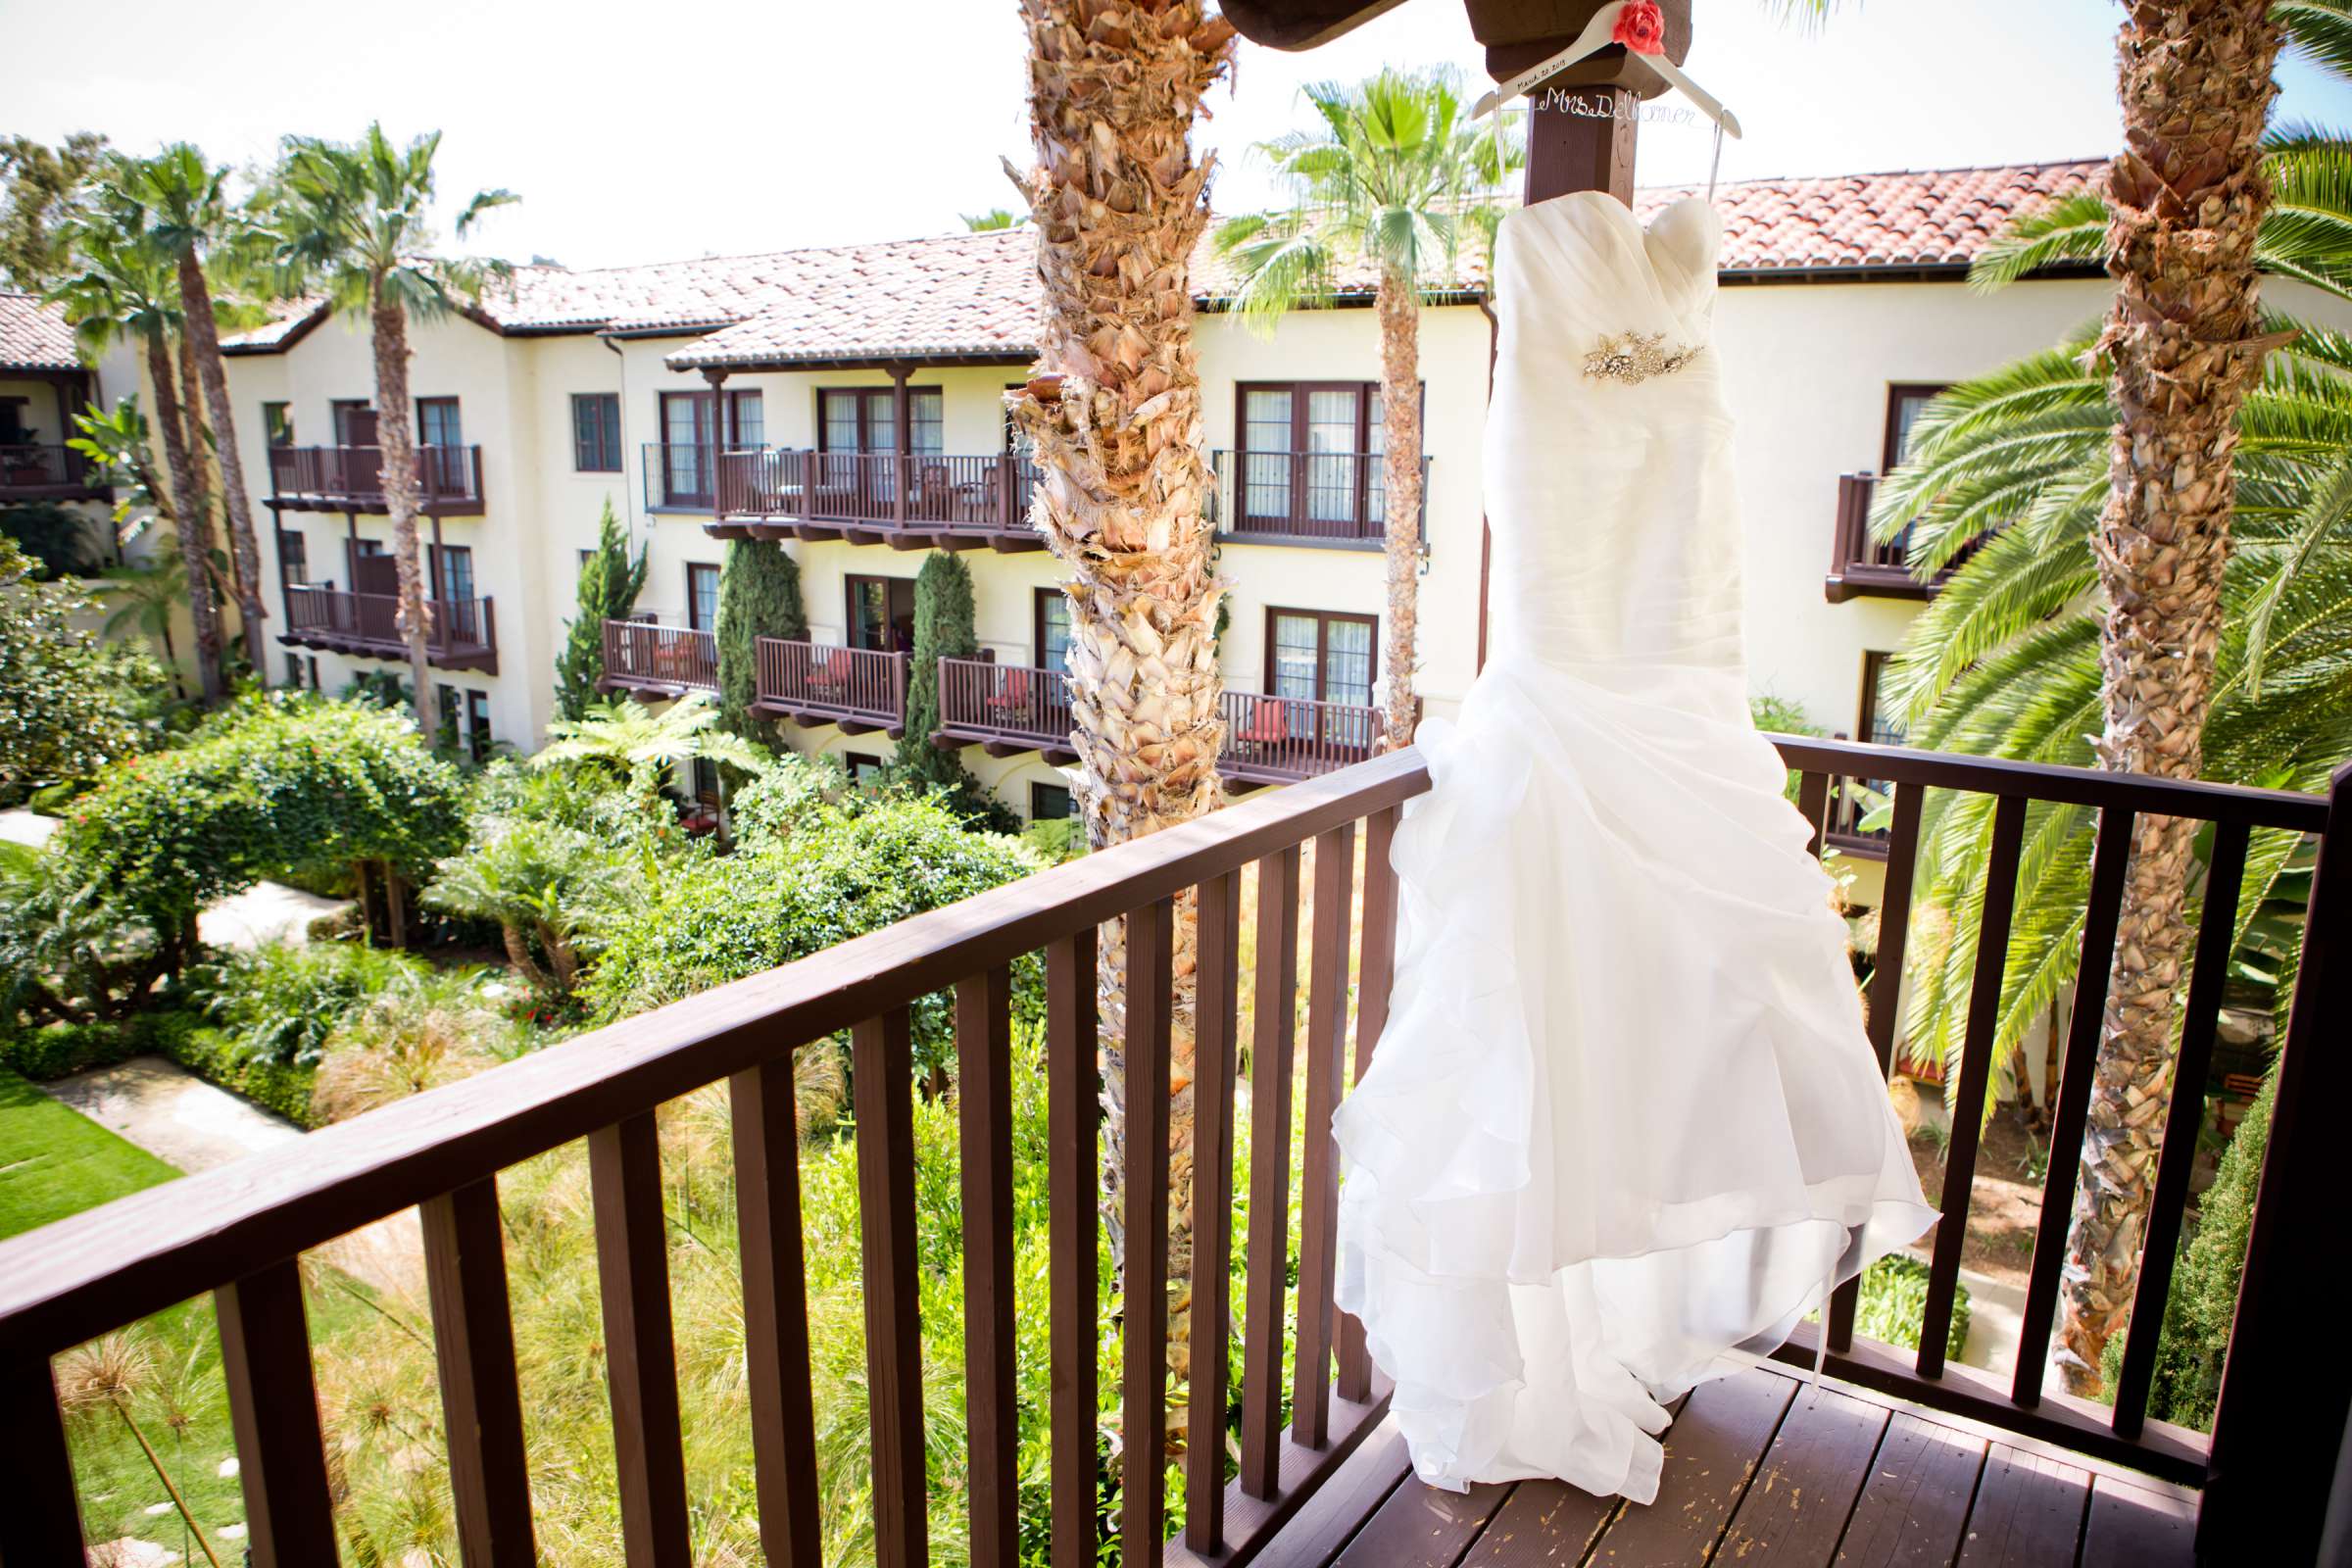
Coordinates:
[2070,230]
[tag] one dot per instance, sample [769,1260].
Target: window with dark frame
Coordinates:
[880,613]
[1877,722]
[477,721]
[865,768]
[702,597]
[864,418]
[1310,451]
[277,424]
[438,423]
[1052,628]
[595,433]
[1906,401]
[452,573]
[293,558]
[1050,802]
[1320,655]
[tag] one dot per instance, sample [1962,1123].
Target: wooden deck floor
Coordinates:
[1761,1471]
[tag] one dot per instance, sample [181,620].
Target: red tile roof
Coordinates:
[972,295]
[34,336]
[1939,218]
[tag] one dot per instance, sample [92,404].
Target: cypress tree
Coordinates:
[759,596]
[609,583]
[943,629]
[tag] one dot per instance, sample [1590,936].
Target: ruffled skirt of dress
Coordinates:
[1624,1129]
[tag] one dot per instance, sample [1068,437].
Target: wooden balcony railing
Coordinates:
[1860,565]
[1306,497]
[238,1231]
[1008,708]
[1276,740]
[1004,709]
[449,479]
[859,689]
[464,634]
[652,660]
[36,471]
[911,501]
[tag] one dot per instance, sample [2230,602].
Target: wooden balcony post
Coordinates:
[716,378]
[902,409]
[2283,1409]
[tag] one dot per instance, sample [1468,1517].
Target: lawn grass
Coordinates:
[54,1161]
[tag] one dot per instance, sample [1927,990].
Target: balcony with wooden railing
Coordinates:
[859,689]
[351,479]
[47,472]
[1010,709]
[1306,498]
[1900,1457]
[907,501]
[462,634]
[652,661]
[1860,565]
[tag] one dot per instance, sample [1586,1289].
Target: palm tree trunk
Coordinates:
[204,335]
[2184,339]
[1399,306]
[194,526]
[393,431]
[1114,412]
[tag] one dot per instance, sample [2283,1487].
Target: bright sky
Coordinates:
[714,129]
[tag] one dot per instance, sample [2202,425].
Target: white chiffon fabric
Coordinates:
[1624,1129]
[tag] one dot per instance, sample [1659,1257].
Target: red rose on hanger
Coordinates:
[1641,27]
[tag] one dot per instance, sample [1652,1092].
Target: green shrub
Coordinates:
[275,781]
[2201,1305]
[704,919]
[69,704]
[280,1003]
[796,795]
[759,596]
[58,1051]
[64,541]
[1894,1297]
[609,583]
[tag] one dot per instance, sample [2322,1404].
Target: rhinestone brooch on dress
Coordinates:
[1632,357]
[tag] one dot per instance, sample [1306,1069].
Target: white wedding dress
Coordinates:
[1624,1129]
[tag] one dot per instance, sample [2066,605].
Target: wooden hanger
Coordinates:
[1597,35]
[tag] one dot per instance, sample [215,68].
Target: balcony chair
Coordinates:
[830,676]
[1008,705]
[1266,727]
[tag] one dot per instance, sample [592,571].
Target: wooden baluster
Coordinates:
[2217,933]
[1975,1069]
[1144,1334]
[883,1062]
[1072,1105]
[991,1396]
[1886,990]
[1217,988]
[1274,1028]
[1319,1210]
[1813,804]
[274,1414]
[1376,974]
[2272,1472]
[474,1347]
[775,1311]
[41,1523]
[632,1271]
[2109,863]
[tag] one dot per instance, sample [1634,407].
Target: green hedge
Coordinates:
[212,1054]
[1894,1297]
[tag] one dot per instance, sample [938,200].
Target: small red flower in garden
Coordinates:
[1642,27]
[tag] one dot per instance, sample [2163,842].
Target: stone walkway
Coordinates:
[179,1118]
[267,912]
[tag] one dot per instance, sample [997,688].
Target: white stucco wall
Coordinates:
[1809,368]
